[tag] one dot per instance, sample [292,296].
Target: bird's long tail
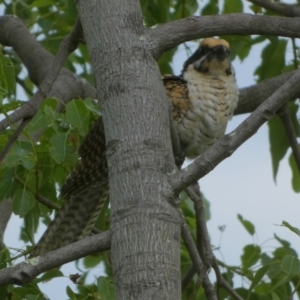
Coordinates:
[85,193]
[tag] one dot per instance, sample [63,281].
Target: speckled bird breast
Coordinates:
[213,99]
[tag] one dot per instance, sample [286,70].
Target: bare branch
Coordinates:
[13,138]
[251,97]
[282,9]
[191,247]
[188,277]
[200,268]
[223,283]
[172,34]
[29,109]
[225,146]
[203,240]
[26,271]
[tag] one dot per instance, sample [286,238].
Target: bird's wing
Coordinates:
[177,92]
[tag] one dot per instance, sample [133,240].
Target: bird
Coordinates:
[203,99]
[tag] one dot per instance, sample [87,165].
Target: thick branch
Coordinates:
[172,34]
[37,60]
[251,97]
[285,10]
[28,270]
[29,109]
[229,143]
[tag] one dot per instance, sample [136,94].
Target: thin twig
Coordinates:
[204,246]
[40,198]
[189,275]
[223,283]
[192,249]
[203,240]
[200,268]
[13,139]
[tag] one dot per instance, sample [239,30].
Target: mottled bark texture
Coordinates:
[145,227]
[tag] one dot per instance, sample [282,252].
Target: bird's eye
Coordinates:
[204,50]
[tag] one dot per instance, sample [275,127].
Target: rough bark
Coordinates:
[174,33]
[145,227]
[29,269]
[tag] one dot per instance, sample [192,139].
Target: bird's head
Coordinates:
[211,57]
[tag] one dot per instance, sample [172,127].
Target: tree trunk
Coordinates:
[145,227]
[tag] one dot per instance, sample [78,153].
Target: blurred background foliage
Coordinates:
[39,169]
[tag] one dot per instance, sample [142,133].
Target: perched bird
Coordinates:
[203,98]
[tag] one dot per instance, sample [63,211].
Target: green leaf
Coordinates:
[91,261]
[41,3]
[275,269]
[7,77]
[233,6]
[247,224]
[7,184]
[212,8]
[92,106]
[33,180]
[4,256]
[106,288]
[290,227]
[78,115]
[38,122]
[184,9]
[49,275]
[295,173]
[71,294]
[282,281]
[263,288]
[260,273]
[28,162]
[290,265]
[265,259]
[274,296]
[279,143]
[272,55]
[250,256]
[23,202]
[61,148]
